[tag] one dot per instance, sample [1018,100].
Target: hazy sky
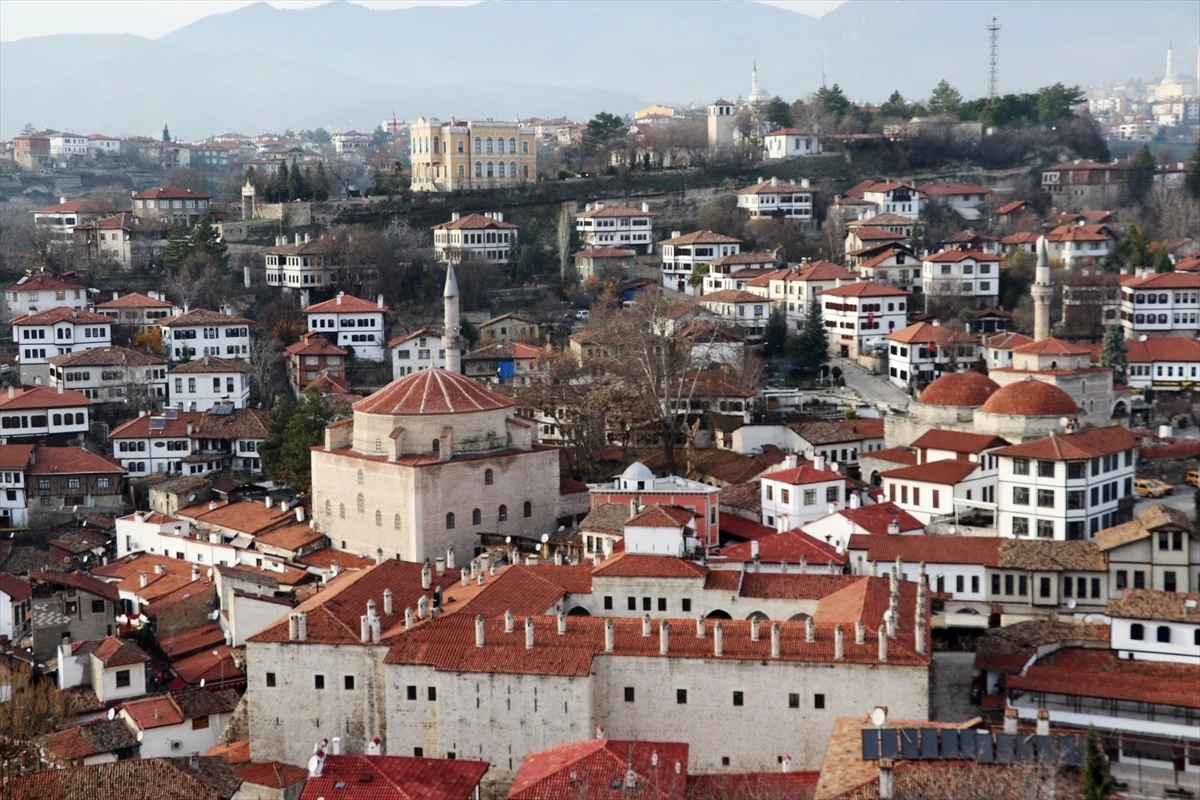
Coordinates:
[20,19]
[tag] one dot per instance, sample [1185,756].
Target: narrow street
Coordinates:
[873,389]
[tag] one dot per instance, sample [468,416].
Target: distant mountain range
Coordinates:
[342,65]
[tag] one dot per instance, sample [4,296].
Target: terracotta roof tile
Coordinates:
[42,397]
[432,391]
[961,255]
[346,304]
[71,461]
[16,588]
[146,779]
[15,456]
[1050,555]
[247,516]
[62,314]
[632,565]
[1052,347]
[135,300]
[1008,649]
[1102,674]
[591,765]
[606,518]
[473,222]
[753,786]
[107,356]
[170,193]
[864,289]
[1164,280]
[201,316]
[272,774]
[396,778]
[957,441]
[1163,606]
[1031,398]
[924,333]
[613,211]
[208,364]
[877,518]
[78,581]
[948,472]
[787,546]
[802,475]
[981,550]
[659,516]
[114,652]
[700,237]
[893,455]
[1084,444]
[44,281]
[1163,348]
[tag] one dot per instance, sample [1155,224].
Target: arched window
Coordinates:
[477,517]
[437,446]
[450,521]
[1137,631]
[512,144]
[396,522]
[477,147]
[1164,634]
[341,510]
[489,144]
[488,477]
[502,513]
[512,168]
[360,476]
[362,504]
[525,147]
[378,519]
[500,170]
[328,508]
[491,169]
[478,169]
[528,509]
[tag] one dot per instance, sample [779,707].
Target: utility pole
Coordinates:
[993,58]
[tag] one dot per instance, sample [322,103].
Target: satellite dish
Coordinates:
[508,540]
[1064,421]
[140,735]
[112,713]
[202,683]
[545,538]
[879,716]
[1072,603]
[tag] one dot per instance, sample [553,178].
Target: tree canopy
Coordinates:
[944,99]
[602,129]
[292,430]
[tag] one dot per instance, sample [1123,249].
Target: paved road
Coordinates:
[873,389]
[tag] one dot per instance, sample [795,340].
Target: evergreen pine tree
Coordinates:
[272,446]
[1132,248]
[178,247]
[1162,259]
[1191,180]
[1142,167]
[320,186]
[1097,781]
[277,187]
[205,239]
[295,183]
[775,333]
[166,134]
[1112,352]
[304,430]
[814,339]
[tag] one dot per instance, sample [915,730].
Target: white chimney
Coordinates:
[1010,721]
[422,607]
[408,619]
[379,301]
[886,786]
[818,462]
[893,527]
[387,602]
[664,644]
[839,643]
[301,625]
[700,627]
[883,643]
[364,628]
[454,216]
[529,633]
[754,549]
[609,637]
[718,639]
[645,208]
[754,629]
[508,621]
[810,633]
[450,557]
[440,565]
[195,572]
[645,625]
[859,631]
[299,513]
[855,500]
[466,578]
[479,630]
[159,569]
[791,461]
[340,295]
[786,763]
[299,239]
[1043,722]
[562,624]
[335,746]
[267,501]
[143,579]
[426,576]
[775,644]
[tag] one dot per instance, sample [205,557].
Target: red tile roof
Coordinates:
[473,222]
[659,516]
[170,193]
[895,455]
[15,456]
[980,550]
[42,397]
[247,516]
[135,300]
[1157,605]
[1006,341]
[202,316]
[822,271]
[1009,208]
[1052,347]
[71,461]
[961,255]
[16,588]
[73,207]
[753,786]
[947,472]
[1102,674]
[787,546]
[742,528]
[146,779]
[701,237]
[272,774]
[613,211]
[432,391]
[876,518]
[209,364]
[1080,233]
[44,281]
[346,304]
[1163,348]
[62,314]
[957,441]
[802,475]
[765,187]
[1085,444]
[954,188]
[81,582]
[605,252]
[1163,280]
[106,357]
[395,778]
[632,565]
[114,652]
[864,289]
[925,333]
[155,711]
[588,768]
[1031,398]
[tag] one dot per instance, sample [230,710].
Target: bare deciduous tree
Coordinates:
[32,707]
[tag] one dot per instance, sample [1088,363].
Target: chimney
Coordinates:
[299,239]
[609,638]
[1043,722]
[886,788]
[1010,721]
[408,619]
[335,746]
[268,502]
[859,631]
[426,576]
[785,763]
[388,608]
[775,644]
[783,567]
[455,216]
[645,625]
[818,462]
[754,549]
[159,569]
[371,614]
[883,643]
[440,565]
[890,623]
[508,621]
[790,461]
[364,627]
[379,301]
[529,633]
[893,527]
[676,234]
[60,388]
[479,630]
[718,639]
[839,644]
[301,626]
[340,295]
[562,624]
[803,564]
[195,572]
[663,637]
[422,607]
[810,633]
[855,501]
[754,629]
[143,580]
[645,208]
[919,634]
[466,578]
[12,392]
[774,181]
[700,627]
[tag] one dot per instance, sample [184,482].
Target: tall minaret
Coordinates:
[1170,68]
[1041,291]
[450,322]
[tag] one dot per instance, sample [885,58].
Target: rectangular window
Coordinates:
[97,606]
[975,584]
[662,604]
[645,604]
[1045,469]
[1096,588]
[270,680]
[1068,587]
[1045,498]
[1008,584]
[348,683]
[794,700]
[995,584]
[1139,579]
[1076,470]
[608,604]
[1022,586]
[199,723]
[1020,495]
[628,694]
[687,604]
[739,699]
[318,681]
[1043,587]
[632,602]
[123,679]
[681,697]
[412,693]
[432,694]
[1169,584]
[1122,579]
[959,583]
[818,701]
[1020,466]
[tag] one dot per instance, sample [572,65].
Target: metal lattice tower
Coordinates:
[993,58]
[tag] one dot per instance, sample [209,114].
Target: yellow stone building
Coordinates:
[461,154]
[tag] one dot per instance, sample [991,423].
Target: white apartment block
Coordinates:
[681,254]
[745,311]
[14,502]
[859,315]
[790,143]
[796,495]
[1166,304]
[112,375]
[1069,486]
[201,332]
[56,331]
[1080,245]
[65,145]
[474,239]
[937,489]
[606,225]
[1166,363]
[42,292]
[190,442]
[200,384]
[778,199]
[99,144]
[413,352]
[793,289]
[303,264]
[923,351]
[968,274]
[894,198]
[352,324]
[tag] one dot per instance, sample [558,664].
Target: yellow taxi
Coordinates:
[1149,487]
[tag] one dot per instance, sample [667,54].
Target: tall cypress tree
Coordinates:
[178,247]
[1112,352]
[1097,780]
[320,187]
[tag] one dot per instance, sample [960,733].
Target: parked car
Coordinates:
[582,313]
[1149,487]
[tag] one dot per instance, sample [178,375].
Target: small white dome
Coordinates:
[637,471]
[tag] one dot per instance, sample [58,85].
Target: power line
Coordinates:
[993,58]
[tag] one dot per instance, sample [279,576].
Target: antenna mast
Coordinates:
[993,58]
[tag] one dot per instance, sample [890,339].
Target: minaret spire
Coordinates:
[1041,291]
[1170,69]
[451,322]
